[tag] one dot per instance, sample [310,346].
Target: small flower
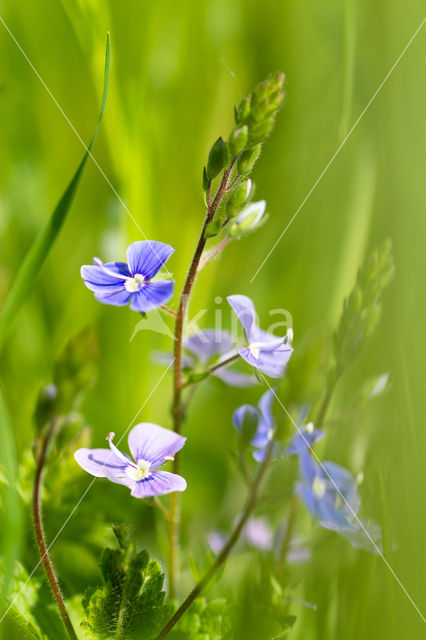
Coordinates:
[265,351]
[330,493]
[119,283]
[304,438]
[203,347]
[265,424]
[259,534]
[151,446]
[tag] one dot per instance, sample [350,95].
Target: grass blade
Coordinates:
[36,256]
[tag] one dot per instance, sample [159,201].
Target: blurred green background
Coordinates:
[177,70]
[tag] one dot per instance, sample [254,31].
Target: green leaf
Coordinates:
[130,602]
[204,621]
[34,260]
[21,603]
[217,158]
[288,623]
[213,228]
[11,512]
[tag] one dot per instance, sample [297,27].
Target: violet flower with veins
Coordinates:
[265,351]
[151,446]
[121,283]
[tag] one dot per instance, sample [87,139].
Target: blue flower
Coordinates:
[304,438]
[151,446]
[331,495]
[265,424]
[203,347]
[265,351]
[119,283]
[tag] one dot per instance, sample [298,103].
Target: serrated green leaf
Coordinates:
[40,248]
[130,603]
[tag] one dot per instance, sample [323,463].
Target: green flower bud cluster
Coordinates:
[362,308]
[254,118]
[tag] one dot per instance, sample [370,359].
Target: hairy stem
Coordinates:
[177,374]
[39,532]
[224,553]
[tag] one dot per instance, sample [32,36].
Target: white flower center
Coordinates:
[134,284]
[319,487]
[140,472]
[254,349]
[309,427]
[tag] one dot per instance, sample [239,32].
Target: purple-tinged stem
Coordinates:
[177,376]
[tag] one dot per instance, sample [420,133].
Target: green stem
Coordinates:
[177,377]
[224,553]
[39,532]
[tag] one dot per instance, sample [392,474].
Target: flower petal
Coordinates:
[208,343]
[159,483]
[104,277]
[235,378]
[152,295]
[245,311]
[265,406]
[119,297]
[99,462]
[272,367]
[304,439]
[146,257]
[153,443]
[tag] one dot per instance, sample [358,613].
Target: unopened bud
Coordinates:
[239,196]
[242,112]
[261,130]
[248,159]
[248,219]
[238,140]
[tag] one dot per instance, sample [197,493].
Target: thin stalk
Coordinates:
[212,369]
[168,310]
[214,252]
[224,553]
[39,533]
[177,375]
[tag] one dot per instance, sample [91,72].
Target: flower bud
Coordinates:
[238,140]
[248,219]
[238,197]
[276,80]
[268,106]
[242,112]
[248,159]
[217,159]
[261,130]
